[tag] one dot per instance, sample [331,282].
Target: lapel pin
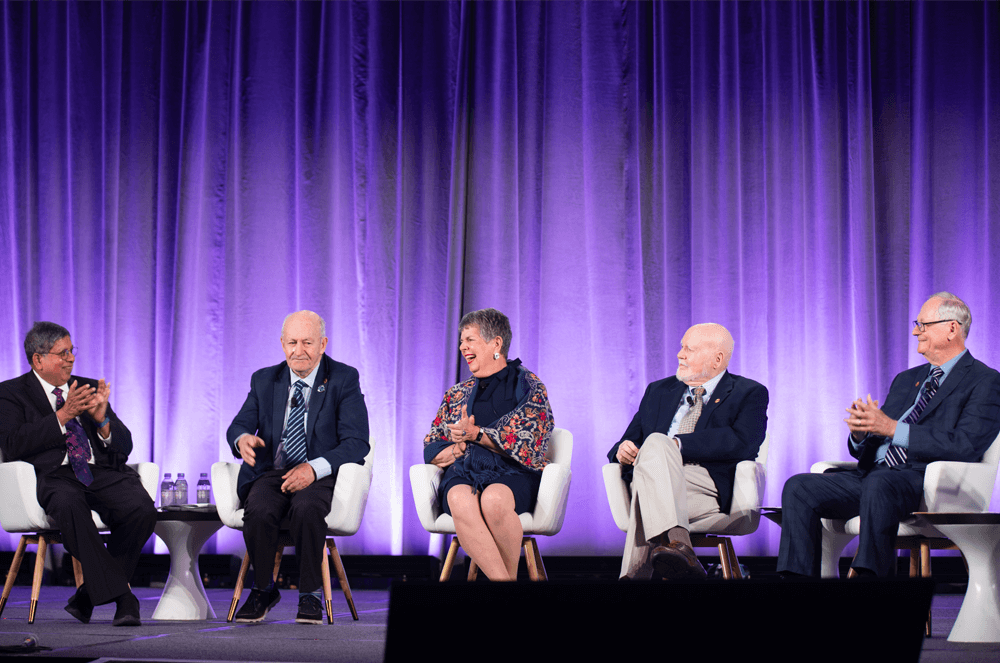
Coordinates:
[917,384]
[321,388]
[717,400]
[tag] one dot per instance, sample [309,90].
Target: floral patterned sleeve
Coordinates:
[438,438]
[524,433]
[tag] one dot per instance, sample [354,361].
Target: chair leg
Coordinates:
[727,567]
[324,572]
[341,578]
[277,562]
[473,571]
[15,566]
[36,582]
[925,571]
[533,558]
[449,560]
[736,571]
[240,579]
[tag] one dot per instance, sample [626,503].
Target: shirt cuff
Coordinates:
[321,466]
[902,436]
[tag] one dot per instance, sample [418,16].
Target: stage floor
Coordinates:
[281,639]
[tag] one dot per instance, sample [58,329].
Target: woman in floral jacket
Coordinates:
[492,471]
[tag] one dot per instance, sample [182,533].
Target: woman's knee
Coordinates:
[497,503]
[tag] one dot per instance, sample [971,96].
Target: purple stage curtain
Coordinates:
[176,177]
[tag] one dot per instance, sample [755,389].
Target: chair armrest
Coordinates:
[553,493]
[350,496]
[748,488]
[618,494]
[224,475]
[424,482]
[958,486]
[824,465]
[19,509]
[149,475]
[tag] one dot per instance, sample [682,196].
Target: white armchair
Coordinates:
[20,513]
[949,486]
[546,519]
[350,496]
[714,531]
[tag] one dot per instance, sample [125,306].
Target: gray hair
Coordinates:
[41,337]
[953,308]
[316,318]
[491,323]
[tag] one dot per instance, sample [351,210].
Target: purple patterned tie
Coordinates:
[896,455]
[77,445]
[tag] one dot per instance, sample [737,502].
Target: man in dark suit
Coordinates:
[948,409]
[302,420]
[64,426]
[681,450]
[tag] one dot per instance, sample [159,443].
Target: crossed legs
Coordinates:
[488,527]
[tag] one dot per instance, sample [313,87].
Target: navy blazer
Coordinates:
[959,423]
[730,429]
[29,428]
[336,422]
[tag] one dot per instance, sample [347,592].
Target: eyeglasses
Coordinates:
[921,326]
[64,354]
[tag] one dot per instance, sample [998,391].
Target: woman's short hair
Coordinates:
[491,323]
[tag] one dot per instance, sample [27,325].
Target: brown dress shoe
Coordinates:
[676,561]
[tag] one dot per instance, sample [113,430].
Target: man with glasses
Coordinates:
[947,409]
[64,426]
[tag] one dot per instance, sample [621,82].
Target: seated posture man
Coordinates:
[948,409]
[681,450]
[302,420]
[63,425]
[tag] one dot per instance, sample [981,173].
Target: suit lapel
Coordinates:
[37,395]
[721,392]
[954,378]
[317,397]
[280,400]
[669,405]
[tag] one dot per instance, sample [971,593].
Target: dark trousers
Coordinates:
[123,504]
[266,507]
[882,497]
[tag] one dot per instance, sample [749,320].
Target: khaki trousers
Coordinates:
[666,493]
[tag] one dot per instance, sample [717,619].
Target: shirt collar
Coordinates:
[309,379]
[950,364]
[708,386]
[46,387]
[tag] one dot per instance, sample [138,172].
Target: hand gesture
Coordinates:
[99,403]
[627,451]
[464,430]
[246,445]
[865,418]
[297,478]
[79,399]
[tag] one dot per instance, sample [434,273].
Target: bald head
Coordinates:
[705,352]
[303,339]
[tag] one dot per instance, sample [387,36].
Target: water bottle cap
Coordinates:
[180,474]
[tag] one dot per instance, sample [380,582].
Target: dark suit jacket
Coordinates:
[959,423]
[29,429]
[730,429]
[336,422]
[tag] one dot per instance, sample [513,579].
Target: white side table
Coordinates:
[184,533]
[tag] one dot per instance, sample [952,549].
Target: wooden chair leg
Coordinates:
[324,572]
[277,562]
[36,582]
[240,579]
[534,558]
[925,571]
[736,571]
[449,560]
[15,566]
[727,567]
[914,562]
[341,578]
[473,571]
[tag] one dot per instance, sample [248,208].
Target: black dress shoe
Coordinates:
[677,561]
[310,610]
[127,613]
[79,605]
[256,607]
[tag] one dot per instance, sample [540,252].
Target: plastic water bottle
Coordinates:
[204,489]
[166,491]
[181,489]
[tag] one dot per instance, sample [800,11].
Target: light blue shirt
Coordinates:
[687,400]
[902,435]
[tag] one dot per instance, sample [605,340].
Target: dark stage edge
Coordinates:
[280,639]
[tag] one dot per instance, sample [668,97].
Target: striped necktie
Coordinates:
[294,447]
[895,455]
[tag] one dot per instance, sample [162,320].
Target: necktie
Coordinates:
[690,419]
[896,455]
[77,446]
[294,449]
